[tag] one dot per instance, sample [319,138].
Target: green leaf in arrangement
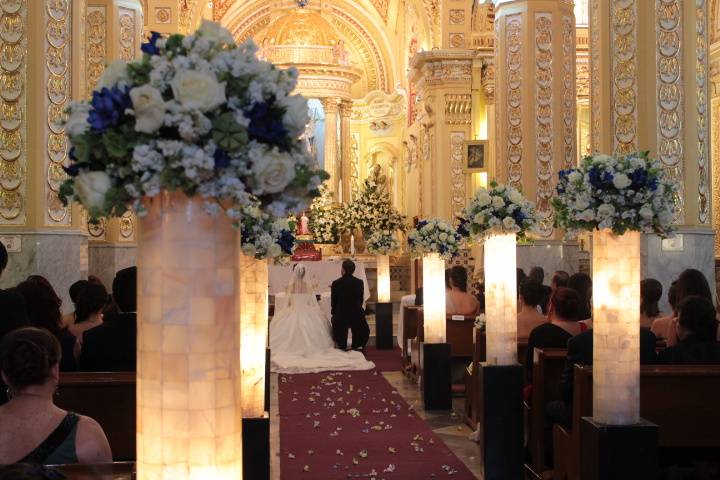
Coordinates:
[116,144]
[228,134]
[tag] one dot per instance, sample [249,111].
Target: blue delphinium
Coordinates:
[150,46]
[108,107]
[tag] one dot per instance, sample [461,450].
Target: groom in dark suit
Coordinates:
[347,294]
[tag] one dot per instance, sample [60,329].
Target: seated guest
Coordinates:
[538,274]
[112,346]
[460,301]
[664,326]
[33,429]
[43,309]
[13,312]
[691,282]
[697,333]
[88,313]
[521,277]
[560,279]
[529,296]
[582,284]
[650,294]
[74,291]
[562,326]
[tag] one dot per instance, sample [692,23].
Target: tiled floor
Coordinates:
[448,425]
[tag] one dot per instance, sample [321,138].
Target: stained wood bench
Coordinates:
[108,398]
[680,399]
[409,329]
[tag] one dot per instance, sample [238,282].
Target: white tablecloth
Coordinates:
[319,274]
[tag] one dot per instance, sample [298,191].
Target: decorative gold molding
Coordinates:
[128,37]
[382,7]
[458,192]
[458,108]
[355,165]
[569,92]
[220,7]
[513,61]
[95,45]
[57,63]
[701,79]
[13,106]
[668,55]
[595,95]
[624,74]
[715,145]
[544,119]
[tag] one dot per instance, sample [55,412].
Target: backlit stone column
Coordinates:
[112,31]
[535,97]
[38,64]
[345,151]
[330,106]
[649,91]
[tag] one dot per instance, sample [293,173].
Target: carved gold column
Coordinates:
[535,97]
[649,91]
[345,151]
[715,153]
[113,31]
[36,83]
[330,106]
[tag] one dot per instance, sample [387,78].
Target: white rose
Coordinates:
[249,249]
[274,250]
[272,171]
[443,236]
[575,176]
[296,114]
[91,187]
[646,212]
[586,215]
[606,210]
[479,218]
[515,197]
[77,122]
[509,223]
[498,202]
[603,158]
[115,73]
[483,198]
[214,32]
[198,90]
[149,108]
[581,203]
[620,180]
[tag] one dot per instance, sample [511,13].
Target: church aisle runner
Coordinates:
[384,360]
[344,425]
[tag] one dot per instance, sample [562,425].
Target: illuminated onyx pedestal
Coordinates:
[617,443]
[253,348]
[436,380]
[500,378]
[383,309]
[189,412]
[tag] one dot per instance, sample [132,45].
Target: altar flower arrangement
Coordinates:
[197,114]
[629,193]
[499,209]
[382,242]
[372,209]
[263,236]
[324,217]
[434,236]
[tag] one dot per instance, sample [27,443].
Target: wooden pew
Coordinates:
[548,365]
[677,398]
[410,323]
[108,398]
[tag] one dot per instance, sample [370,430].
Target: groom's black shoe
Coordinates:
[359,349]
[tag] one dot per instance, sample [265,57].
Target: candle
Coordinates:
[352,244]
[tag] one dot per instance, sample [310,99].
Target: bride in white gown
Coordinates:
[300,338]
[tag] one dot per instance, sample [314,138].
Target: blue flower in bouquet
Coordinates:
[266,124]
[621,194]
[286,242]
[222,160]
[382,242]
[150,47]
[434,236]
[108,107]
[463,228]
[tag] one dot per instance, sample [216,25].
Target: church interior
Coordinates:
[415,109]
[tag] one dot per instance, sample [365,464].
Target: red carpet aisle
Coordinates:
[340,425]
[385,360]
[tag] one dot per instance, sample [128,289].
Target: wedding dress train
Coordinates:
[300,338]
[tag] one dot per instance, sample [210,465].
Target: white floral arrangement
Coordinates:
[480,322]
[198,114]
[372,209]
[629,193]
[434,236]
[382,242]
[263,236]
[499,209]
[324,218]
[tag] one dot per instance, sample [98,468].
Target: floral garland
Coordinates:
[262,236]
[382,242]
[500,209]
[372,209]
[434,236]
[621,194]
[198,114]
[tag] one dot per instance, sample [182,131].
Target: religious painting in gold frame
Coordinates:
[475,156]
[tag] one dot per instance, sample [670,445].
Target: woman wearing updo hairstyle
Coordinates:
[34,430]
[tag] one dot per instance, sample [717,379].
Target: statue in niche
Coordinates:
[263,52]
[340,54]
